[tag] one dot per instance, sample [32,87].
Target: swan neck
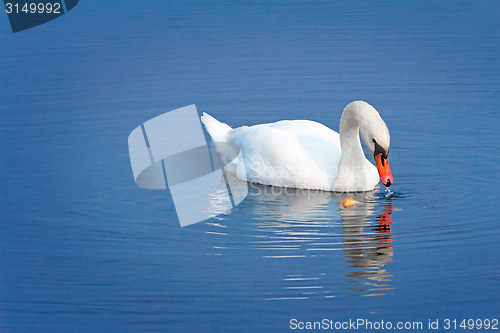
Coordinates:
[349,135]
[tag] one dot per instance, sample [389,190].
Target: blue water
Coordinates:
[82,248]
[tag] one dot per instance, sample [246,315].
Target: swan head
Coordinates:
[376,137]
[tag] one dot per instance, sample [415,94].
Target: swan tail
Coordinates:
[217,130]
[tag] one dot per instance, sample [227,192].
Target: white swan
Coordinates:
[306,154]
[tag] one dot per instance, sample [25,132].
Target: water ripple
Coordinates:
[297,225]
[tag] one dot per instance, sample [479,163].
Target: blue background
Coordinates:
[83,248]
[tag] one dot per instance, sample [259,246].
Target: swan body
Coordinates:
[308,155]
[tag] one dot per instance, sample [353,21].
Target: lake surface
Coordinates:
[82,248]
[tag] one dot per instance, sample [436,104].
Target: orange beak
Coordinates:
[383,170]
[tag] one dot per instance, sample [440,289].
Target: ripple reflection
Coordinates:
[294,224]
[368,248]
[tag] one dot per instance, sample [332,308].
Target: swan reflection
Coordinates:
[367,245]
[294,224]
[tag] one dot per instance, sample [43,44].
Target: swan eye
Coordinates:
[379,149]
